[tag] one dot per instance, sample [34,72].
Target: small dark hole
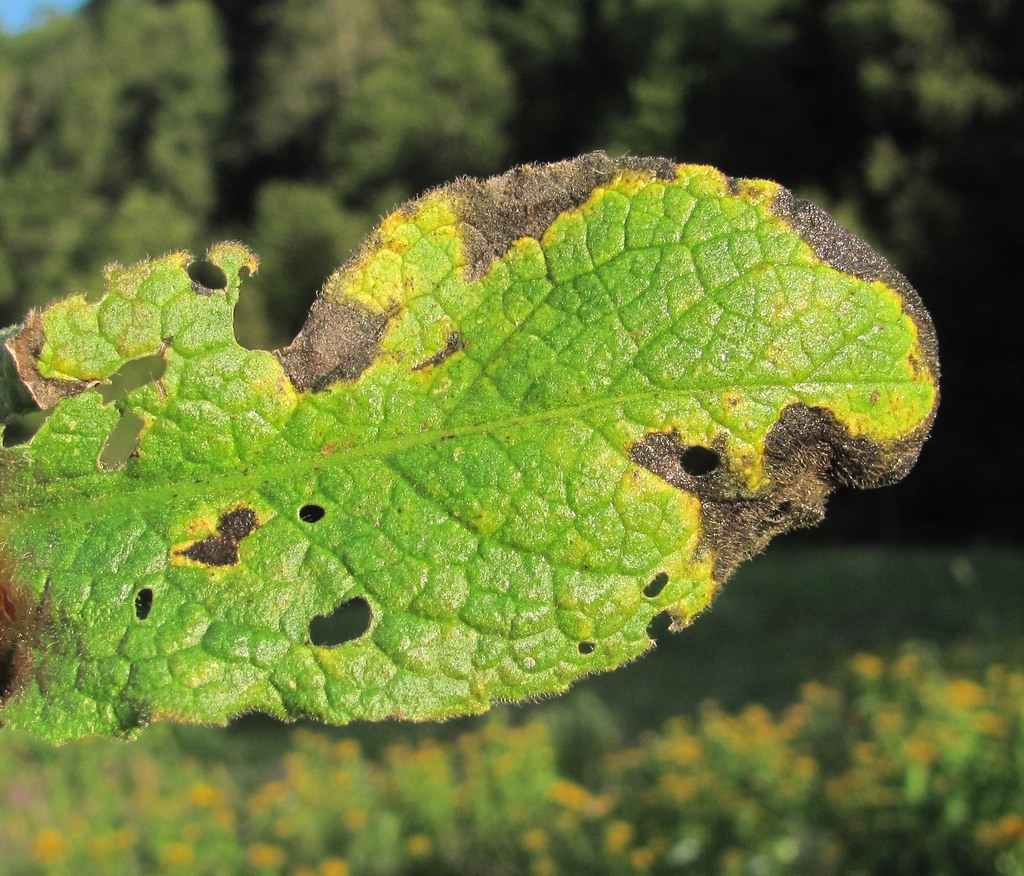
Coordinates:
[656,585]
[143,603]
[208,275]
[311,513]
[697,461]
[782,510]
[659,626]
[587,647]
[348,622]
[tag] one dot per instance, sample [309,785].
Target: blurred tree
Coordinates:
[302,235]
[111,135]
[434,107]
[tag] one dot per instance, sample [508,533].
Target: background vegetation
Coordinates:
[904,759]
[139,126]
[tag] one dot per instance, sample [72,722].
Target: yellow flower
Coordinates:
[816,694]
[346,749]
[991,724]
[419,845]
[680,788]
[265,856]
[617,836]
[964,694]
[178,855]
[890,719]
[805,767]
[908,664]
[867,665]
[569,794]
[355,819]
[49,845]
[267,795]
[543,867]
[687,749]
[334,867]
[641,859]
[206,795]
[535,840]
[283,828]
[1000,833]
[224,818]
[920,751]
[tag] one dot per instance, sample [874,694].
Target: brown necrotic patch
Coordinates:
[339,341]
[25,348]
[807,454]
[222,549]
[525,201]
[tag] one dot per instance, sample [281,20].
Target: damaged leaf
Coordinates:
[530,415]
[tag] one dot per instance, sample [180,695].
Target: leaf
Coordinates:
[531,414]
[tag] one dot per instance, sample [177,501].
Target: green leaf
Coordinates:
[531,414]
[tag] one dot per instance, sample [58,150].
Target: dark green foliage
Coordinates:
[137,127]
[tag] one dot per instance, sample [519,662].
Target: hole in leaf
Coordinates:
[143,603]
[656,585]
[311,513]
[132,375]
[20,428]
[587,647]
[207,275]
[781,510]
[121,442]
[697,461]
[348,622]
[659,626]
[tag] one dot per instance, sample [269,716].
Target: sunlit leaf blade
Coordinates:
[531,414]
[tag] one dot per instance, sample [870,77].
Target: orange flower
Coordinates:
[964,694]
[206,795]
[264,856]
[49,845]
[867,665]
[535,840]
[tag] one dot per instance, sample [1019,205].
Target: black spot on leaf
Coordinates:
[587,648]
[348,622]
[239,523]
[222,549]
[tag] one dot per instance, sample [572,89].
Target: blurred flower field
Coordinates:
[897,766]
